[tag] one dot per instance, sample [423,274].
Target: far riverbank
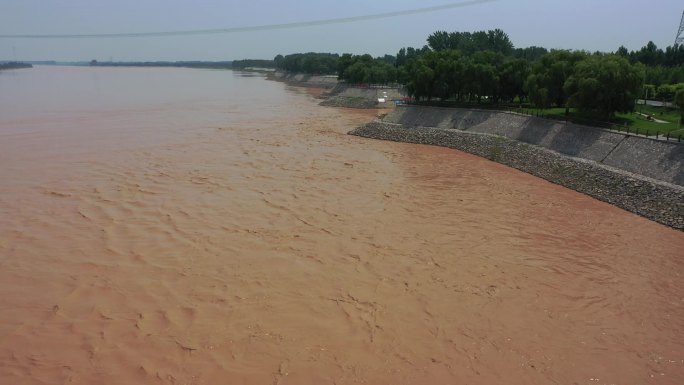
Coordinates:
[14,65]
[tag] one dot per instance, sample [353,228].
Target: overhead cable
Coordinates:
[267,27]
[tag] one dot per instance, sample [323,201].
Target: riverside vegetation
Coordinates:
[485,69]
[14,65]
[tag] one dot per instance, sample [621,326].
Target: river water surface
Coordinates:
[178,226]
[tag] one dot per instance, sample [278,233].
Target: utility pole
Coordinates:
[680,34]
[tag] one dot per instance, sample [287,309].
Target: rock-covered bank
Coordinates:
[303,80]
[340,94]
[656,200]
[344,95]
[656,159]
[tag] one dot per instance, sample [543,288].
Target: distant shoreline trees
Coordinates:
[14,65]
[182,64]
[312,63]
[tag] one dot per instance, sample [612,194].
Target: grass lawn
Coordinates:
[632,121]
[639,119]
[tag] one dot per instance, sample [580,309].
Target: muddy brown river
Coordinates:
[179,226]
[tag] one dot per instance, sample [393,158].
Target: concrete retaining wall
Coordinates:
[648,157]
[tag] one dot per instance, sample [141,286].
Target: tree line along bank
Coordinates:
[485,67]
[13,65]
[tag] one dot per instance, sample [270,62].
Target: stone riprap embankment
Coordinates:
[344,95]
[656,200]
[349,102]
[341,94]
[304,80]
[648,157]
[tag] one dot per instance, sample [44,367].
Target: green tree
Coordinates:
[278,61]
[650,55]
[679,102]
[551,72]
[494,40]
[356,73]
[365,69]
[312,62]
[407,55]
[530,53]
[622,51]
[345,61]
[667,92]
[498,41]
[536,91]
[604,84]
[421,78]
[440,41]
[512,76]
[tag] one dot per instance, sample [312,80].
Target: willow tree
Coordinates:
[604,84]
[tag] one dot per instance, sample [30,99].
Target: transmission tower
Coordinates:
[680,34]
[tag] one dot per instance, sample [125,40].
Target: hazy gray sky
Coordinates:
[576,24]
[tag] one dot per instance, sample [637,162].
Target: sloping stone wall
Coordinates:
[656,200]
[648,157]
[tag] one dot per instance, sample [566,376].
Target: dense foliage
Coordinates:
[485,67]
[652,56]
[469,43]
[449,74]
[311,63]
[365,69]
[604,84]
[546,82]
[662,67]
